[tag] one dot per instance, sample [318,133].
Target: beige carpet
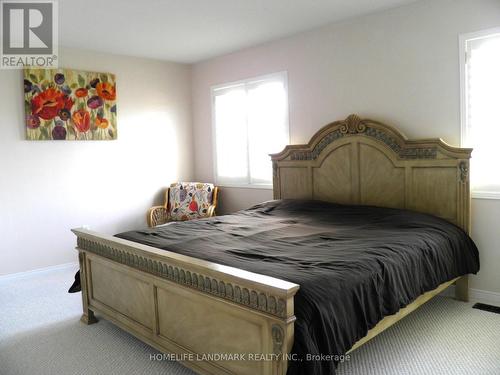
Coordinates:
[40,335]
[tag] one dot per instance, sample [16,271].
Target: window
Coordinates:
[480,81]
[250,121]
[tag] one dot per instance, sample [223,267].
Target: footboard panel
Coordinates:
[224,329]
[125,293]
[215,319]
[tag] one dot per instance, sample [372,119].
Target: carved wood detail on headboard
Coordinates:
[361,161]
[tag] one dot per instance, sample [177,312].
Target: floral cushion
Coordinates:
[189,200]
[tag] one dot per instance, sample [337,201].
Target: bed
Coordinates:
[176,288]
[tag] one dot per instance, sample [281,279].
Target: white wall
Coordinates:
[399,66]
[49,187]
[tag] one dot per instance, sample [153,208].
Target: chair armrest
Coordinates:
[157,215]
[215,200]
[211,210]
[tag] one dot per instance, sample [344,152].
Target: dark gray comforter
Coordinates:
[354,264]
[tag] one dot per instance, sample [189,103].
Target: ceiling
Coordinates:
[193,30]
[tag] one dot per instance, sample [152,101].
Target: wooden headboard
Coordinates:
[356,161]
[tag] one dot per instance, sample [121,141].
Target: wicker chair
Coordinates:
[158,215]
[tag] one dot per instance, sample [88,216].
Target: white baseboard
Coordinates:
[21,275]
[477,295]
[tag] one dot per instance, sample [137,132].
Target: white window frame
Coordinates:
[283,75]
[463,39]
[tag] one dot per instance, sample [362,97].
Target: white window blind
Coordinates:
[250,122]
[481,110]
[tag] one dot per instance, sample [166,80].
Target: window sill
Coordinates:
[485,195]
[236,186]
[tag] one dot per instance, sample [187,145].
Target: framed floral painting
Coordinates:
[64,104]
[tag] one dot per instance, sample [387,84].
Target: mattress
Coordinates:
[354,264]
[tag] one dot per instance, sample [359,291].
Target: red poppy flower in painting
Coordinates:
[48,103]
[81,118]
[81,93]
[106,90]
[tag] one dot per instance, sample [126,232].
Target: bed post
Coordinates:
[462,284]
[462,289]
[88,316]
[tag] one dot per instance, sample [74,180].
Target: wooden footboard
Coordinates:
[215,319]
